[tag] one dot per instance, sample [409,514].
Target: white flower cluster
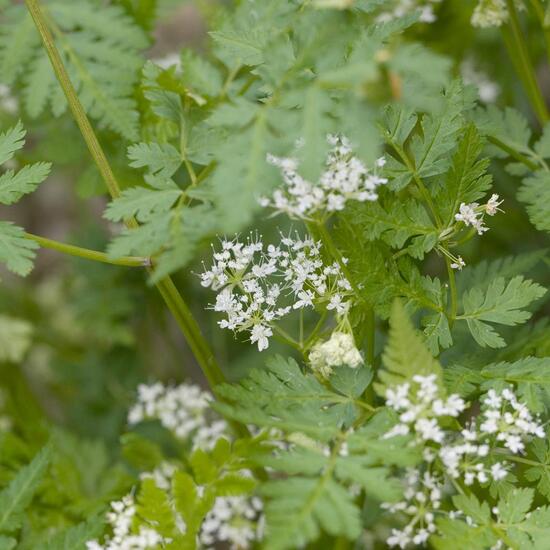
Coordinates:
[422,499]
[508,420]
[345,178]
[121,519]
[405,7]
[259,285]
[464,454]
[420,408]
[161,475]
[487,89]
[471,215]
[184,410]
[236,521]
[490,13]
[339,350]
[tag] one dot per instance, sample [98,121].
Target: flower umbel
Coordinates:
[338,350]
[184,410]
[258,285]
[345,178]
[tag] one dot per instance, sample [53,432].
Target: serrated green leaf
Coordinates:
[534,192]
[300,507]
[244,46]
[11,140]
[466,181]
[142,203]
[471,506]
[159,158]
[13,185]
[280,395]
[502,303]
[154,507]
[75,538]
[18,494]
[540,473]
[199,74]
[16,251]
[406,353]
[515,505]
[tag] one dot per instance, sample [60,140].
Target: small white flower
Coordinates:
[489,13]
[459,264]
[498,471]
[260,334]
[492,206]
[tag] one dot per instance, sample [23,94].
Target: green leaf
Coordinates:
[542,146]
[16,251]
[406,353]
[531,376]
[502,303]
[437,332]
[244,46]
[439,134]
[351,382]
[482,274]
[75,538]
[15,498]
[199,74]
[280,395]
[13,185]
[398,222]
[535,193]
[159,158]
[515,505]
[236,114]
[466,181]
[142,203]
[471,506]
[15,338]
[101,50]
[154,507]
[299,508]
[141,453]
[541,472]
[10,141]
[509,127]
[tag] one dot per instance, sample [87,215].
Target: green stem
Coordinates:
[513,153]
[128,261]
[538,9]
[311,338]
[335,253]
[452,288]
[166,287]
[517,49]
[418,181]
[285,337]
[370,336]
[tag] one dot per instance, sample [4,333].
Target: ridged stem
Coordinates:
[86,253]
[169,292]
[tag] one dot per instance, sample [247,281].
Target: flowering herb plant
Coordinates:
[313,324]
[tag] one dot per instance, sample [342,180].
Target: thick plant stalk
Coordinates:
[166,287]
[87,254]
[515,42]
